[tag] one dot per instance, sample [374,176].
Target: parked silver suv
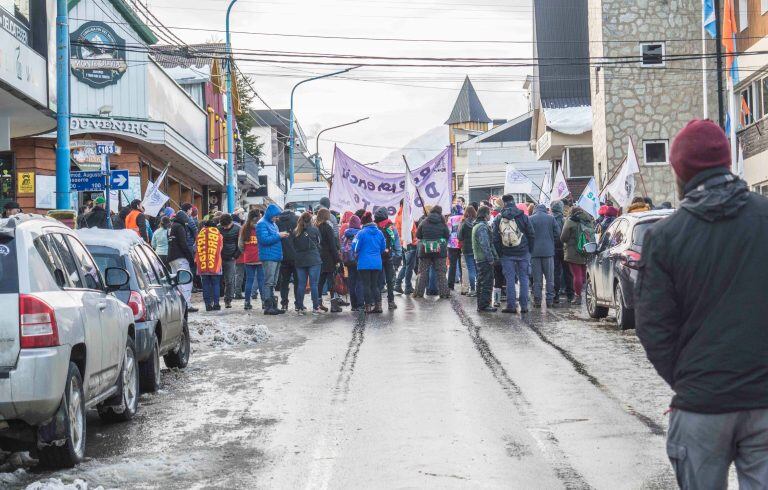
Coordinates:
[66,342]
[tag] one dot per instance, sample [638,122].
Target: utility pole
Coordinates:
[62,105]
[230,177]
[719,51]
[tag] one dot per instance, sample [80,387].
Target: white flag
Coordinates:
[411,212]
[153,201]
[544,197]
[590,200]
[560,187]
[623,186]
[516,182]
[740,162]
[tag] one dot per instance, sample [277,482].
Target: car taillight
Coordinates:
[136,302]
[37,323]
[631,259]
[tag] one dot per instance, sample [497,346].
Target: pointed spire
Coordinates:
[468,107]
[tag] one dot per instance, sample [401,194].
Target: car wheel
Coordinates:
[625,317]
[149,370]
[123,406]
[593,309]
[179,358]
[68,424]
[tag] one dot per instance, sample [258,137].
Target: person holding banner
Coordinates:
[433,236]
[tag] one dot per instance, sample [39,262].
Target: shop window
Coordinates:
[655,152]
[761,188]
[7,180]
[652,54]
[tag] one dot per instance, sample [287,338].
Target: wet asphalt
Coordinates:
[432,395]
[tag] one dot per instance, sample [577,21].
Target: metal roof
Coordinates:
[562,48]
[468,107]
[517,132]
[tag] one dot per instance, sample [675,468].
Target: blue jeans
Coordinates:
[313,273]
[271,273]
[254,273]
[355,286]
[211,289]
[432,283]
[469,263]
[406,271]
[516,268]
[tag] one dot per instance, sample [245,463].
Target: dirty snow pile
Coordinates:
[222,332]
[56,484]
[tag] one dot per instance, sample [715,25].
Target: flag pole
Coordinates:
[639,170]
[704,60]
[418,193]
[613,175]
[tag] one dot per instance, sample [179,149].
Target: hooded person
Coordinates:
[433,235]
[701,313]
[607,214]
[578,228]
[354,284]
[547,233]
[270,240]
[180,256]
[514,239]
[485,255]
[563,279]
[369,245]
[286,222]
[345,222]
[393,254]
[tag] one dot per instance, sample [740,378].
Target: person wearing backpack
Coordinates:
[513,237]
[354,283]
[393,254]
[578,230]
[433,236]
[308,262]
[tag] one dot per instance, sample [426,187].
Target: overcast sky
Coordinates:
[397,113]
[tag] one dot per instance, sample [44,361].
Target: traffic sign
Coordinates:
[118,180]
[86,181]
[107,148]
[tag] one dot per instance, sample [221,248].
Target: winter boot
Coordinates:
[279,311]
[399,288]
[377,308]
[269,308]
[336,305]
[247,306]
[284,305]
[392,305]
[322,307]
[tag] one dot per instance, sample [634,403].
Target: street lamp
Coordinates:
[230,176]
[317,142]
[290,129]
[62,104]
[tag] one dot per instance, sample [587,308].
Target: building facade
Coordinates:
[467,120]
[649,96]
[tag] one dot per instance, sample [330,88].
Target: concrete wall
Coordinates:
[644,103]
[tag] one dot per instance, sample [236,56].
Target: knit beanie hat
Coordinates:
[701,145]
[381,215]
[354,222]
[367,218]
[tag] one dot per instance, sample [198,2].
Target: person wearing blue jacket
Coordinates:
[369,244]
[271,254]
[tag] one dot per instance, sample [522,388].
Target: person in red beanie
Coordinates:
[702,315]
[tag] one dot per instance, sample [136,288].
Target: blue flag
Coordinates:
[709,19]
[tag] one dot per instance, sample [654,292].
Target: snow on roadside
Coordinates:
[224,331]
[57,484]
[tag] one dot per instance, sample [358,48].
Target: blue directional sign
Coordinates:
[118,180]
[107,148]
[86,181]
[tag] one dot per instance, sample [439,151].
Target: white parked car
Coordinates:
[66,342]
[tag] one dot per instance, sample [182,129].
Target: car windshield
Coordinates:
[106,260]
[9,273]
[638,235]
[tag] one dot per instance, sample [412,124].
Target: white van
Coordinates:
[306,195]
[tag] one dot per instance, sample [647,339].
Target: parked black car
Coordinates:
[612,271]
[159,309]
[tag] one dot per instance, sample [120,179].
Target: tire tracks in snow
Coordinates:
[546,440]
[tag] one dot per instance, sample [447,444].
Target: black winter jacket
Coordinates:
[177,240]
[701,309]
[433,227]
[329,250]
[465,235]
[287,221]
[306,247]
[230,250]
[511,212]
[97,218]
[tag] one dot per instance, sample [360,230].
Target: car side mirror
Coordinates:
[115,278]
[182,277]
[590,247]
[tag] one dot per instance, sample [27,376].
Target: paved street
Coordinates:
[432,396]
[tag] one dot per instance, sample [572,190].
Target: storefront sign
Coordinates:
[13,26]
[25,183]
[138,128]
[22,68]
[98,55]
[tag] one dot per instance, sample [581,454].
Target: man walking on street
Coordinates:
[286,222]
[702,315]
[563,279]
[513,238]
[543,255]
[271,254]
[485,256]
[229,254]
[180,255]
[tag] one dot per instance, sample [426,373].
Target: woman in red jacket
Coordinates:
[254,270]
